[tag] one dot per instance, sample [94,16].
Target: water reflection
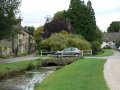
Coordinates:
[24,82]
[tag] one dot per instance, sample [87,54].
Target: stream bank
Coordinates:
[27,80]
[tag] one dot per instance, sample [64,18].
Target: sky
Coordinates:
[33,12]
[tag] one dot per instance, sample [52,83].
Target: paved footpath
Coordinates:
[112,71]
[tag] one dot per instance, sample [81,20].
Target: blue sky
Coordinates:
[34,11]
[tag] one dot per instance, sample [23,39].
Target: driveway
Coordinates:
[112,71]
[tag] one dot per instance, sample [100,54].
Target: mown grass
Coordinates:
[85,74]
[106,52]
[16,66]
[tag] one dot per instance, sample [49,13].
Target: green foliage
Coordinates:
[82,18]
[98,34]
[96,47]
[117,43]
[37,34]
[8,20]
[30,29]
[59,41]
[114,27]
[59,15]
[30,66]
[85,74]
[10,68]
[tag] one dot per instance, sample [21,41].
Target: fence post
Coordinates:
[41,54]
[82,53]
[62,55]
[91,52]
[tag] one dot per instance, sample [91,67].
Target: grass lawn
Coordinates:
[107,52]
[10,67]
[85,74]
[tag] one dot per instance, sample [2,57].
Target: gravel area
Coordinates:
[112,71]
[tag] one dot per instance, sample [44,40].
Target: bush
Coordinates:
[96,47]
[59,41]
[117,43]
[30,66]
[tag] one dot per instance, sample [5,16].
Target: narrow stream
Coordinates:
[25,81]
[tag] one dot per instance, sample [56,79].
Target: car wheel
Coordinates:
[76,55]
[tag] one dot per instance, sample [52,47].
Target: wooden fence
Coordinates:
[52,53]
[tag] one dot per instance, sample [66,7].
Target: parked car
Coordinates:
[119,48]
[71,51]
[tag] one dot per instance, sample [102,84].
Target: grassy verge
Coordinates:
[85,74]
[107,52]
[11,68]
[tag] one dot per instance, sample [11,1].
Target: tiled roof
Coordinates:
[110,37]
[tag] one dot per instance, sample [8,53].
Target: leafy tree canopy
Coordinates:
[59,15]
[8,10]
[114,27]
[30,29]
[58,24]
[37,34]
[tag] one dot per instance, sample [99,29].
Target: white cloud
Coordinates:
[105,20]
[34,11]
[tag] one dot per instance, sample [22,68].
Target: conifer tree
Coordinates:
[82,18]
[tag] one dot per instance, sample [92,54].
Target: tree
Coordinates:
[82,18]
[8,10]
[114,27]
[30,29]
[59,15]
[99,35]
[58,24]
[38,34]
[96,47]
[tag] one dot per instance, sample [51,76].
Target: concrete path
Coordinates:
[112,71]
[95,57]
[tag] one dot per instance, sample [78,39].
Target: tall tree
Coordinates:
[82,18]
[8,10]
[92,23]
[114,27]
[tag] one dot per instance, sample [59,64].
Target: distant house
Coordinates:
[109,39]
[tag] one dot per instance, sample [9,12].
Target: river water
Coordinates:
[25,81]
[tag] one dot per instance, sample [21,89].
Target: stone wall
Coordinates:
[5,47]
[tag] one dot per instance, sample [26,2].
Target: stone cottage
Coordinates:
[22,43]
[109,39]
